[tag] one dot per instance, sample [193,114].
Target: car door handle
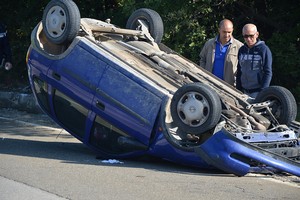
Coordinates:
[100,105]
[56,76]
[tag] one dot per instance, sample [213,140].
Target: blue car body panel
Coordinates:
[105,86]
[230,154]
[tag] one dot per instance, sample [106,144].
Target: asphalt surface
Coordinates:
[11,189]
[39,160]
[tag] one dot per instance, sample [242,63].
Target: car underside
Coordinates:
[247,121]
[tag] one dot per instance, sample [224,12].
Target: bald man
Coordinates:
[254,70]
[219,54]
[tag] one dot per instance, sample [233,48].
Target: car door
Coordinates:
[74,79]
[38,66]
[125,99]
[128,103]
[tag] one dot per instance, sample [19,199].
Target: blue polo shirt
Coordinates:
[220,54]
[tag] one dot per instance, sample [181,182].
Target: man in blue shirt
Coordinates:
[254,70]
[219,54]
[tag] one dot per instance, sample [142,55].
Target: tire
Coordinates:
[195,108]
[151,18]
[284,107]
[61,21]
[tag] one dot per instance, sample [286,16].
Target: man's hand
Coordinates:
[8,66]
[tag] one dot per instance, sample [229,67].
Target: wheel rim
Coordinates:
[193,109]
[56,21]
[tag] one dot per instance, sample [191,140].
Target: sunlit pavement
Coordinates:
[49,163]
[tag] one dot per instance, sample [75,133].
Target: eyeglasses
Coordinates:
[249,36]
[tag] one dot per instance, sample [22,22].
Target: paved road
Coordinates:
[41,162]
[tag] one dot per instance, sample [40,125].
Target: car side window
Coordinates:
[70,113]
[108,138]
[41,89]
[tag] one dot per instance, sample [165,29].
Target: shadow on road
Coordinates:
[78,153]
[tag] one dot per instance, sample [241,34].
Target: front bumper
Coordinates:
[232,155]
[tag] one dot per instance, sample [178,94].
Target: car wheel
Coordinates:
[195,108]
[61,21]
[283,107]
[151,19]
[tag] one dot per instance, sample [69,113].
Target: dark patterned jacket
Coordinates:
[254,69]
[5,51]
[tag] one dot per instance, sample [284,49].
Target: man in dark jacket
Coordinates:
[254,69]
[5,51]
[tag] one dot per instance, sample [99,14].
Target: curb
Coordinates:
[19,101]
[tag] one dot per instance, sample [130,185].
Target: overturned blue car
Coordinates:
[123,93]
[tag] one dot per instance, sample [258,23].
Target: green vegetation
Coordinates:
[188,24]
